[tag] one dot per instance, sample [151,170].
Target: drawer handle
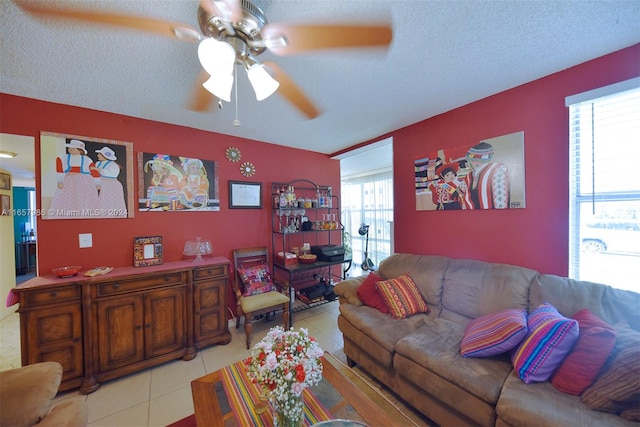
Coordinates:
[116,286]
[138,327]
[209,271]
[166,279]
[53,294]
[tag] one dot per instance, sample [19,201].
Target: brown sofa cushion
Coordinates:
[541,405]
[436,348]
[26,393]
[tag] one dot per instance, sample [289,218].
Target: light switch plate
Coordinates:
[86,240]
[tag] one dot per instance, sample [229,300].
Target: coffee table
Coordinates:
[352,398]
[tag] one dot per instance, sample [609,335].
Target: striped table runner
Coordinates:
[243,395]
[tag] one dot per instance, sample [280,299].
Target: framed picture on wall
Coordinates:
[85,177]
[5,204]
[177,183]
[245,195]
[488,174]
[5,181]
[147,251]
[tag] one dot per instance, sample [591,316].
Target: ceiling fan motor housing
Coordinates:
[247,29]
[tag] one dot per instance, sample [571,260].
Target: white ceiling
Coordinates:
[444,54]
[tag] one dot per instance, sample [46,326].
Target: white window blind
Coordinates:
[604,175]
[368,199]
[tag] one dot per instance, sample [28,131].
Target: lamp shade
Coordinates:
[263,84]
[220,86]
[216,57]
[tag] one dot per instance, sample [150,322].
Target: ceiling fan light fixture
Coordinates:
[263,84]
[220,86]
[7,154]
[216,57]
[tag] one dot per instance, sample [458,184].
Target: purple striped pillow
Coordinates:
[494,333]
[549,340]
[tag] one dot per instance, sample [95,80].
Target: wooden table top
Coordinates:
[370,405]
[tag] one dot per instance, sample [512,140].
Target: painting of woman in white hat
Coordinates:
[194,186]
[111,200]
[78,181]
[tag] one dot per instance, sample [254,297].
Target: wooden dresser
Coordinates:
[130,319]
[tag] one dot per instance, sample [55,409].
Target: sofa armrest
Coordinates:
[70,412]
[347,290]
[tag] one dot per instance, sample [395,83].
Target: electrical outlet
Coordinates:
[86,240]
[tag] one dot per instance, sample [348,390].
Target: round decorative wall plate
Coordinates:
[233,154]
[247,169]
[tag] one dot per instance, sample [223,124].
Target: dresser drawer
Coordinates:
[211,271]
[54,295]
[123,286]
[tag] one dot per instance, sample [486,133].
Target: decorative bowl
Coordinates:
[68,271]
[307,259]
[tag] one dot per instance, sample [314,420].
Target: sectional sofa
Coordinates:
[419,356]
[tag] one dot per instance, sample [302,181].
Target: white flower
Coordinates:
[284,363]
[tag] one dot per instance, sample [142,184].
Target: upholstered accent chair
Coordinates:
[255,290]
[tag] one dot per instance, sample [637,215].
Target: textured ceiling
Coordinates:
[444,54]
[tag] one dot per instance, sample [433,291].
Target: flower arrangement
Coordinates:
[284,363]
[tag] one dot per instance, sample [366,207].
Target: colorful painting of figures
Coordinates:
[177,183]
[485,175]
[85,178]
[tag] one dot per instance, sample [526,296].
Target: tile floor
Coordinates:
[161,395]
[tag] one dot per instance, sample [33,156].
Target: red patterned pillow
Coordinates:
[580,368]
[369,295]
[617,388]
[256,280]
[402,297]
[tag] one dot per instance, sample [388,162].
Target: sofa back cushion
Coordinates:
[474,288]
[570,296]
[426,271]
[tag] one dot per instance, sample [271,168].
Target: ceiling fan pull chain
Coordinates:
[236,122]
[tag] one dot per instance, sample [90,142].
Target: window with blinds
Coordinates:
[604,175]
[368,200]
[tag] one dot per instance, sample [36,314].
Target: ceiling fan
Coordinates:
[236,32]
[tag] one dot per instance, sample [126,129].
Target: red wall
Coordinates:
[113,238]
[537,236]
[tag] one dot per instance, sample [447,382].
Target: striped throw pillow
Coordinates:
[494,333]
[402,297]
[618,386]
[548,341]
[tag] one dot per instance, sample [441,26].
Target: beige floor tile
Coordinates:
[172,375]
[117,395]
[136,416]
[171,407]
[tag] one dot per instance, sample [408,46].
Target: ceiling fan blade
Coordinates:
[303,38]
[201,99]
[158,26]
[292,92]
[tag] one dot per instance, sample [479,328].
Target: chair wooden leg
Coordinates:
[248,328]
[285,317]
[239,314]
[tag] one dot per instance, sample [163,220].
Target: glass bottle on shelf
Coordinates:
[283,198]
